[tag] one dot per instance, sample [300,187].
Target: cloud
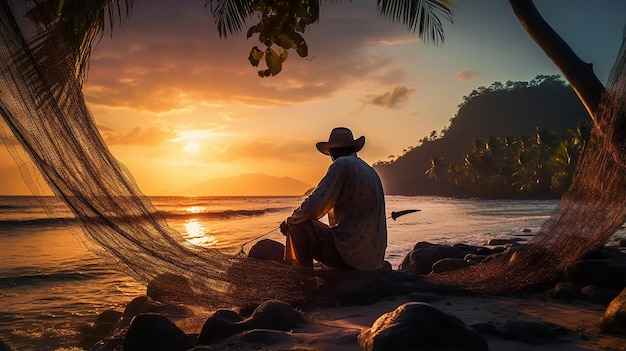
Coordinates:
[391,99]
[464,76]
[167,57]
[270,150]
[148,137]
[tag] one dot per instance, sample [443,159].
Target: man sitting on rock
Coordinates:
[351,194]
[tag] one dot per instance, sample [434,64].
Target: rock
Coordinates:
[277,315]
[475,258]
[420,326]
[450,264]
[4,347]
[614,319]
[154,332]
[273,314]
[219,327]
[267,249]
[608,273]
[598,294]
[471,249]
[110,317]
[421,259]
[167,287]
[109,344]
[606,252]
[105,325]
[532,332]
[563,291]
[132,309]
[498,242]
[167,309]
[424,296]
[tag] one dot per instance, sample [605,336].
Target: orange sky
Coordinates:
[178,105]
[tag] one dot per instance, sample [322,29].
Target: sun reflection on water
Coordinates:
[197,233]
[196,209]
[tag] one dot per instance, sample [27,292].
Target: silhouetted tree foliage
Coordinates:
[512,140]
[536,166]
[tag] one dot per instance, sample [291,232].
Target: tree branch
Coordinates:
[578,73]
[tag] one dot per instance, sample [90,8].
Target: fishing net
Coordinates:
[50,131]
[589,213]
[44,110]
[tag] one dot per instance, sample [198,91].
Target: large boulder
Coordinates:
[4,347]
[155,332]
[604,272]
[267,249]
[614,319]
[273,314]
[420,326]
[421,259]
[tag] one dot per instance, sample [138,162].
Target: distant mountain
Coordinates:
[251,184]
[514,109]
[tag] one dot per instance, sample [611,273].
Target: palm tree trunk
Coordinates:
[578,73]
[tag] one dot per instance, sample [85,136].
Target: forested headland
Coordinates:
[511,140]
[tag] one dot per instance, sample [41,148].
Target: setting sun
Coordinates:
[192,147]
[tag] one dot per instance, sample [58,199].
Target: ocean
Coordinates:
[50,286]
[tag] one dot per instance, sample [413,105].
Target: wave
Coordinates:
[224,214]
[56,222]
[37,223]
[37,279]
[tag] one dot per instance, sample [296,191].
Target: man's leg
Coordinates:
[300,235]
[314,240]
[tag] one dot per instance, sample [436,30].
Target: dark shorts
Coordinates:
[322,245]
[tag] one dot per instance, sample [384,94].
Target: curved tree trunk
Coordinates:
[578,73]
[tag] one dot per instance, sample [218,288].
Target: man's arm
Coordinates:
[322,199]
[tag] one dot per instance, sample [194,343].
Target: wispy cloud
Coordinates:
[145,137]
[391,99]
[270,150]
[465,76]
[168,56]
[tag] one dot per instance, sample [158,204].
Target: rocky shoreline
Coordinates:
[594,287]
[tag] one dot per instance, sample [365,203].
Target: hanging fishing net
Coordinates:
[44,110]
[50,131]
[589,213]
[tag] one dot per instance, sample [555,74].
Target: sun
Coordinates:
[192,147]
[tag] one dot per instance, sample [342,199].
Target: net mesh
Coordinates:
[44,110]
[50,132]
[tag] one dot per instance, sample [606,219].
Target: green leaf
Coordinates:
[284,53]
[251,31]
[255,56]
[301,47]
[302,50]
[283,41]
[274,62]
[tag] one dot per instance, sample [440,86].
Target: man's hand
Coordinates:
[284,227]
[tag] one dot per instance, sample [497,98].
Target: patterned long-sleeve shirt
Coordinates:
[352,194]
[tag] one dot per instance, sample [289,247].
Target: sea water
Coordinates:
[50,286]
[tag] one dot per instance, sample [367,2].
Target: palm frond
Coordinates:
[231,15]
[423,16]
[83,23]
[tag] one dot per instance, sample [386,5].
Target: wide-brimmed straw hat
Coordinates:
[340,137]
